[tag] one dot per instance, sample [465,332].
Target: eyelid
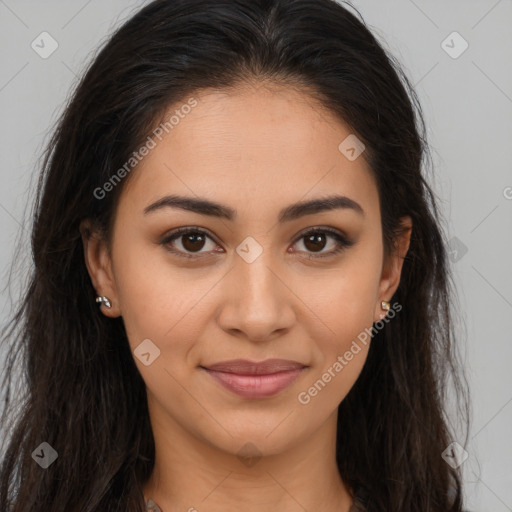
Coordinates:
[322,229]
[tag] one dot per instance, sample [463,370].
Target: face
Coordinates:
[253,279]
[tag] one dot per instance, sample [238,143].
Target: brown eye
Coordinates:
[316,240]
[189,242]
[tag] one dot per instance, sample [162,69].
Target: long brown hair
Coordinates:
[82,393]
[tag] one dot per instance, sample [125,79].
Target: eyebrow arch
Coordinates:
[294,211]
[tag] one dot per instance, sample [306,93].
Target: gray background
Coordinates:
[468,105]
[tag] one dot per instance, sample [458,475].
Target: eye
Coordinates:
[191,240]
[315,240]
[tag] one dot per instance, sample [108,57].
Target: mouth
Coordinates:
[255,379]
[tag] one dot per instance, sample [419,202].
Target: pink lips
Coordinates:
[255,380]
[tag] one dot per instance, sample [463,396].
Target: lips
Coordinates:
[244,367]
[255,379]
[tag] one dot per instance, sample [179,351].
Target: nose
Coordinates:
[257,304]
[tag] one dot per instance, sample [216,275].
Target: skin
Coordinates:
[257,149]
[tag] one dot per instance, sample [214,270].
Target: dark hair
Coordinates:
[83,393]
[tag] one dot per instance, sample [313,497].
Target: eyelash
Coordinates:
[342,241]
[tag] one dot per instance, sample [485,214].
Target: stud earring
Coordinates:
[385,305]
[105,301]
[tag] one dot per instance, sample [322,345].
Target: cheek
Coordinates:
[162,302]
[344,299]
[344,306]
[342,340]
[149,296]
[160,307]
[345,312]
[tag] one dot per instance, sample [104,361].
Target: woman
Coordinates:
[240,294]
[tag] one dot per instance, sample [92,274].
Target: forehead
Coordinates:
[252,146]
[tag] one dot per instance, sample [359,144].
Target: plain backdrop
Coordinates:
[458,54]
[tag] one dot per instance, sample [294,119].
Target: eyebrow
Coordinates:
[294,211]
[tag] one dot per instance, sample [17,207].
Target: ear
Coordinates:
[392,267]
[99,265]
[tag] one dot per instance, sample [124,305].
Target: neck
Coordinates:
[192,475]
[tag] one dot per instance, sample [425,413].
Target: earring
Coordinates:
[385,305]
[105,301]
